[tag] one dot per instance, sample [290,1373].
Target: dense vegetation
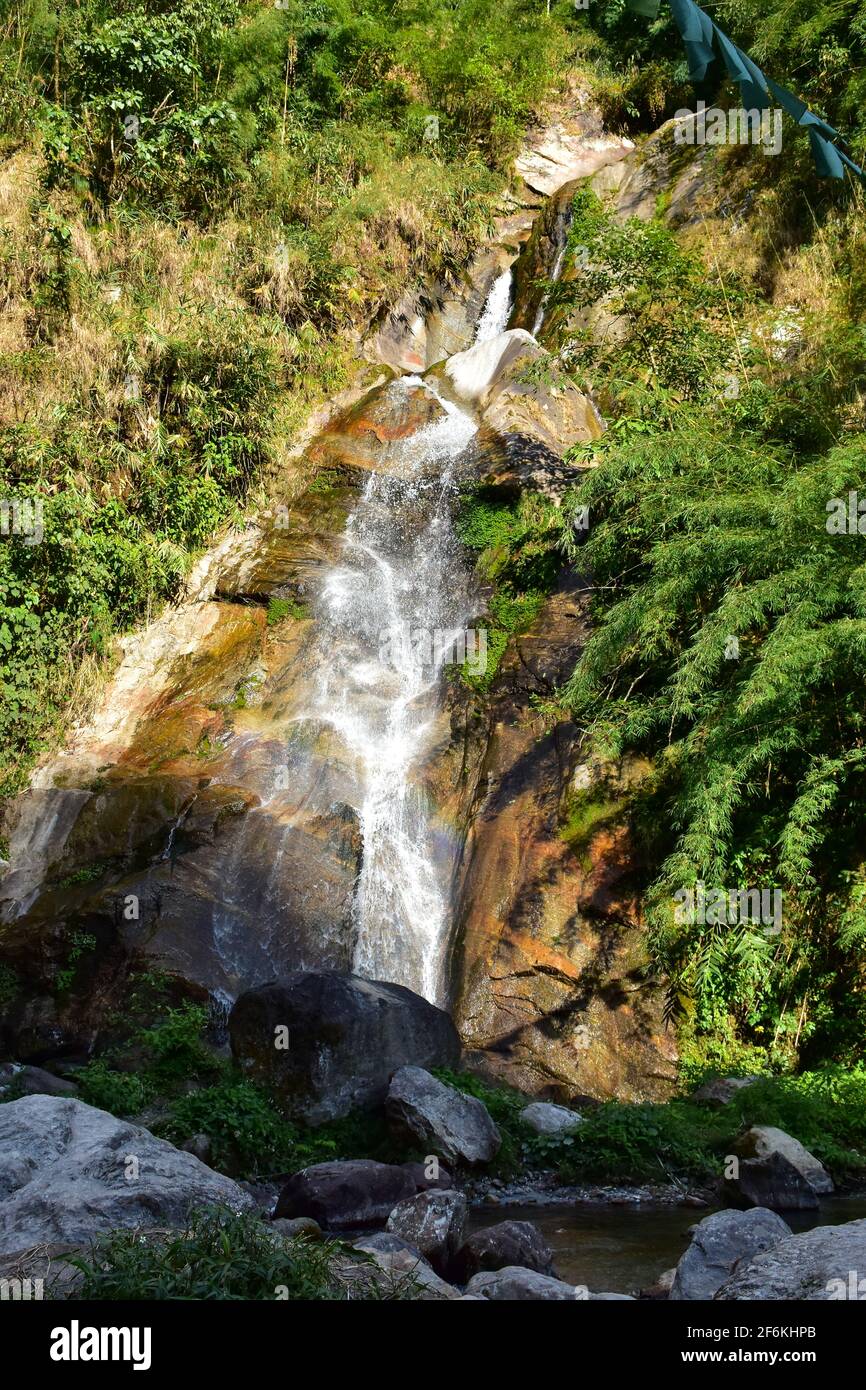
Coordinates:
[200,202]
[223,1255]
[730,634]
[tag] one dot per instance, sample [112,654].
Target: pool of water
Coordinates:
[621,1249]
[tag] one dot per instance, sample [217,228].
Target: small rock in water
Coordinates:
[340,1195]
[772,1182]
[513,1283]
[762,1141]
[497,1247]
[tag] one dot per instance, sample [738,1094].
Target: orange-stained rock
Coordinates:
[552,991]
[366,437]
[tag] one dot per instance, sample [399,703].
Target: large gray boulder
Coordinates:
[432,1223]
[69,1172]
[771,1181]
[718,1242]
[328,1043]
[761,1141]
[423,1110]
[515,1284]
[828,1263]
[344,1194]
[546,1118]
[506,1243]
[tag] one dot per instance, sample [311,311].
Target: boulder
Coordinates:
[422,1110]
[344,1194]
[513,1283]
[763,1140]
[369,436]
[432,1223]
[722,1089]
[418,1172]
[33,1081]
[523,395]
[813,1267]
[718,1242]
[574,147]
[300,1226]
[772,1182]
[545,1118]
[506,1244]
[69,1172]
[345,1037]
[404,1267]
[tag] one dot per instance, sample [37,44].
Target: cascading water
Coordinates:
[554,277]
[497,307]
[389,615]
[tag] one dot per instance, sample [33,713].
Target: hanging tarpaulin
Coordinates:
[705,43]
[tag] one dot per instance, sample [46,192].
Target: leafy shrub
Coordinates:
[223,1255]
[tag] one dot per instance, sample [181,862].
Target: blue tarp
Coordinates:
[704,42]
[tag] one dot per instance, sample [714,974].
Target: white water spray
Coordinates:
[554,277]
[401,575]
[497,308]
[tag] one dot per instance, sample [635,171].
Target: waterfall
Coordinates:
[554,276]
[497,307]
[389,614]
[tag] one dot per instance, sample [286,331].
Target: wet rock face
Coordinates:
[342,1040]
[523,397]
[369,436]
[430,324]
[550,975]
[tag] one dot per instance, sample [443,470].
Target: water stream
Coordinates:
[388,617]
[497,308]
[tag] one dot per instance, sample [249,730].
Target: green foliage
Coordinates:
[634,1143]
[684,1141]
[640,74]
[248,1135]
[728,641]
[517,546]
[99,563]
[675,342]
[504,1106]
[10,986]
[119,1092]
[82,944]
[155,1061]
[281,608]
[223,1255]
